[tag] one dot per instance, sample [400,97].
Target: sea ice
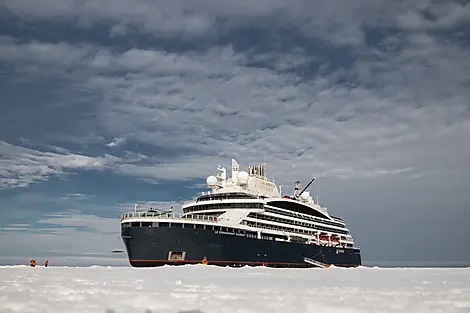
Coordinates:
[208,289]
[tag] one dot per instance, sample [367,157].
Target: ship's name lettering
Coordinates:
[227,233]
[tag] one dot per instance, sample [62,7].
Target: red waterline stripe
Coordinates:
[233,262]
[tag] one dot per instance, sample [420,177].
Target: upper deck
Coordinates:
[156,216]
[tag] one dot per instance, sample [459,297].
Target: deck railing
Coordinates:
[167,216]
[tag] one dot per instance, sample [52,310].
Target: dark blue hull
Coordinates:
[154,246]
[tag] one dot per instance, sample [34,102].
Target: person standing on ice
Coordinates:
[46,263]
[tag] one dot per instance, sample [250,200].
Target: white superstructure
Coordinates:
[248,201]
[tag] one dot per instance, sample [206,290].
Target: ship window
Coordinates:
[135,224]
[200,226]
[225,196]
[267,237]
[188,225]
[210,214]
[296,207]
[251,235]
[216,206]
[146,224]
[164,224]
[176,225]
[318,220]
[217,228]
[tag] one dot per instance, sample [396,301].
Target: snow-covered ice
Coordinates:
[208,289]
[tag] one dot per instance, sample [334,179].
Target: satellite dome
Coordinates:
[305,195]
[211,180]
[242,178]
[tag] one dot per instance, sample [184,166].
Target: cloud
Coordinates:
[72,197]
[21,166]
[435,15]
[61,236]
[203,111]
[202,108]
[73,218]
[116,142]
[340,23]
[60,230]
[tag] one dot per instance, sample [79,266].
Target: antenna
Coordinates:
[135,207]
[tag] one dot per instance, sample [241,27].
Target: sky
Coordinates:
[107,103]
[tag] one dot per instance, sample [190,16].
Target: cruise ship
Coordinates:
[243,220]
